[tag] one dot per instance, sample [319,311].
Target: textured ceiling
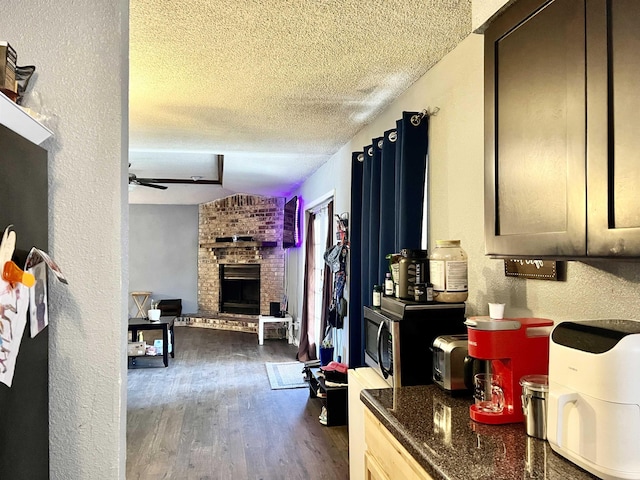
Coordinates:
[276,86]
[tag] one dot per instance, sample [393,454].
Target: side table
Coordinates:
[262,319]
[165,324]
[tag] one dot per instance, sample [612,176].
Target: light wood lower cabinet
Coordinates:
[385,458]
[372,469]
[359,379]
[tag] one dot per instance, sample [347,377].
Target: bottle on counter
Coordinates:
[423,292]
[429,290]
[448,272]
[388,285]
[377,295]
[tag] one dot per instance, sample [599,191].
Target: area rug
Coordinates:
[285,375]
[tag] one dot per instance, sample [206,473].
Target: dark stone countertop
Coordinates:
[436,429]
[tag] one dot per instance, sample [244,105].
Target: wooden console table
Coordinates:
[165,324]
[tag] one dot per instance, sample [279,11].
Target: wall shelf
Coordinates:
[15,118]
[239,244]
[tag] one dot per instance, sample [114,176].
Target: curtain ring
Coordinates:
[393,136]
[380,143]
[417,118]
[360,157]
[370,152]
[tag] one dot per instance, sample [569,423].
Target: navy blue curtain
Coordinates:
[356,333]
[411,150]
[374,216]
[387,200]
[387,197]
[365,285]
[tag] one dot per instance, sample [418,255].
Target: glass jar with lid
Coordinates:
[412,271]
[448,272]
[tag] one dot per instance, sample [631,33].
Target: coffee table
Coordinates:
[165,324]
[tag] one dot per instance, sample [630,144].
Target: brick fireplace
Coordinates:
[237,232]
[240,288]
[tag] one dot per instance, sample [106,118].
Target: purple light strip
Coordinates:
[296,228]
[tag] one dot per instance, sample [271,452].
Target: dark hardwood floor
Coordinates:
[212,415]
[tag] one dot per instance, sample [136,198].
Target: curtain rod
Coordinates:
[415,121]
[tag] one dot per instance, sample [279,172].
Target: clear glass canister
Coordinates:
[448,272]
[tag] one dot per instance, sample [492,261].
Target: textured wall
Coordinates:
[593,289]
[163,253]
[79,49]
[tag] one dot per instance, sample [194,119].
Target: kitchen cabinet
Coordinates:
[373,470]
[359,379]
[385,458]
[560,170]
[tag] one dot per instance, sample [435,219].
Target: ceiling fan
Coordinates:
[194,179]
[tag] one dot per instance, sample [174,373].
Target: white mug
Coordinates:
[496,311]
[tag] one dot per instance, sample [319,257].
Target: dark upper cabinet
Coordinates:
[613,128]
[560,130]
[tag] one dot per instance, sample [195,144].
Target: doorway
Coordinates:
[317,281]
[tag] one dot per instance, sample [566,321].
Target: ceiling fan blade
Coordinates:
[181,180]
[147,184]
[195,180]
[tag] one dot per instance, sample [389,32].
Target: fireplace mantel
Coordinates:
[238,244]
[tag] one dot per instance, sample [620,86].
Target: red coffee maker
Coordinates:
[510,348]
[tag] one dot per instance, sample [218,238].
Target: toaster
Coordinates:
[449,352]
[593,413]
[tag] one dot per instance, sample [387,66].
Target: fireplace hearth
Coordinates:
[240,289]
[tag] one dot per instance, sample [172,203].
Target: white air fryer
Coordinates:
[593,416]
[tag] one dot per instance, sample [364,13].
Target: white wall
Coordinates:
[80,51]
[163,253]
[593,289]
[483,12]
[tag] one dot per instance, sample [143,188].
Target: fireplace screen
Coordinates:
[240,289]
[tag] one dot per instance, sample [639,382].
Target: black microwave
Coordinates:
[399,335]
